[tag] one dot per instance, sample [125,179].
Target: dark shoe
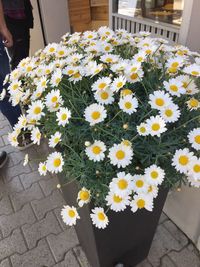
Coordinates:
[24,142]
[3,158]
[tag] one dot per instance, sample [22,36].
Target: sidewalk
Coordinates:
[32,232]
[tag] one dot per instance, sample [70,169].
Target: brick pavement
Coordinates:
[32,233]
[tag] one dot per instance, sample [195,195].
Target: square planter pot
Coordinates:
[127,238]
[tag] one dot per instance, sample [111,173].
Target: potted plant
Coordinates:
[122,113]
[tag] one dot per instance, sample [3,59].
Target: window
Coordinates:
[168,11]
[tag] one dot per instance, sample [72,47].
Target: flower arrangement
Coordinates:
[122,112]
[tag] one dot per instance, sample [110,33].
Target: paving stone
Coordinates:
[30,178]
[41,207]
[163,243]
[26,196]
[37,257]
[40,229]
[10,149]
[5,130]
[185,258]
[176,233]
[144,263]
[12,244]
[63,242]
[4,124]
[48,186]
[17,157]
[5,206]
[13,186]
[16,170]
[57,212]
[167,262]
[69,261]
[15,220]
[163,218]
[81,257]
[5,263]
[5,139]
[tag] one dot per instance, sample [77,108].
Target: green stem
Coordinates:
[114,116]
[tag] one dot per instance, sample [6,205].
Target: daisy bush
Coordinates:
[121,112]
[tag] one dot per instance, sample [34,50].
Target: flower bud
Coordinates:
[58,186]
[125,126]
[87,143]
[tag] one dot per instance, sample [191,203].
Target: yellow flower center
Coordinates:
[56,162]
[160,102]
[119,84]
[194,102]
[61,52]
[120,154]
[185,84]
[51,49]
[117,199]
[141,203]
[58,80]
[96,115]
[63,117]
[70,72]
[197,139]
[134,69]
[174,88]
[140,59]
[44,83]
[48,71]
[15,86]
[122,184]
[128,105]
[101,216]
[107,48]
[154,174]
[155,126]
[102,86]
[168,112]
[150,189]
[126,92]
[90,36]
[196,168]
[126,142]
[104,95]
[56,140]
[44,168]
[134,76]
[96,150]
[195,73]
[175,65]
[139,183]
[37,110]
[183,160]
[71,213]
[148,51]
[29,69]
[109,60]
[54,99]
[38,135]
[84,195]
[172,70]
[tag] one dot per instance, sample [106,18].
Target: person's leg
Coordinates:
[10,112]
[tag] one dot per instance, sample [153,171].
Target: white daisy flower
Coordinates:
[36,135]
[128,104]
[142,129]
[69,215]
[83,197]
[51,48]
[194,138]
[174,87]
[173,64]
[35,110]
[194,168]
[188,83]
[170,113]
[55,162]
[193,104]
[13,138]
[116,202]
[106,47]
[22,121]
[154,175]
[125,92]
[42,168]
[99,218]
[53,100]
[181,160]
[104,97]
[118,83]
[101,84]
[63,116]
[95,113]
[3,94]
[152,191]
[141,201]
[55,139]
[109,58]
[140,56]
[96,151]
[192,69]
[194,182]
[134,73]
[139,184]
[120,155]
[156,125]
[159,100]
[122,185]
[56,77]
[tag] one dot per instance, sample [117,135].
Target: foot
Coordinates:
[25,142]
[3,158]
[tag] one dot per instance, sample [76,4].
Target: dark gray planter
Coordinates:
[128,237]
